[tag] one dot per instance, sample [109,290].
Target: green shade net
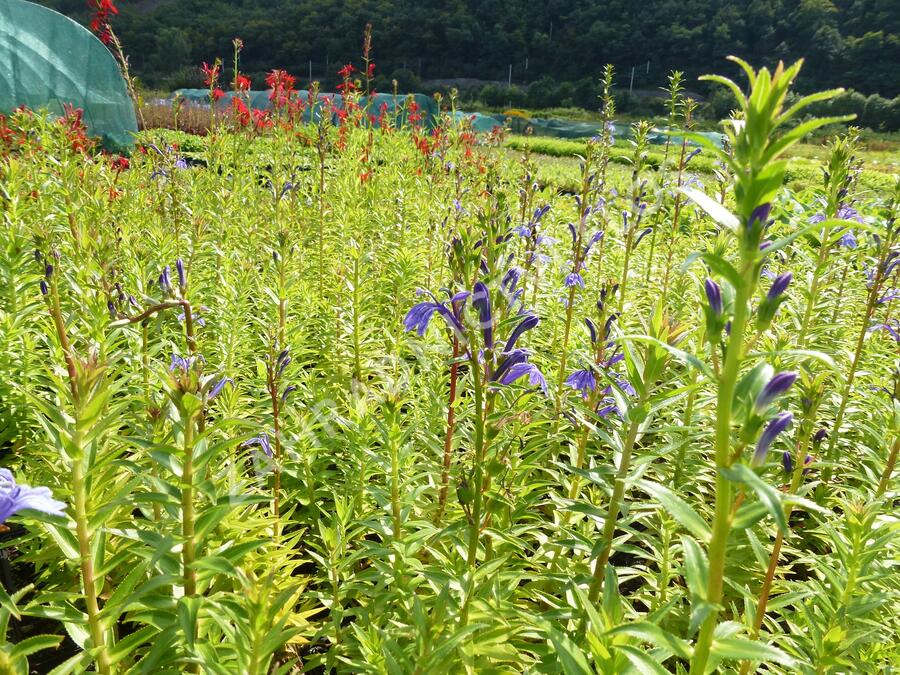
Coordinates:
[47,60]
[395,108]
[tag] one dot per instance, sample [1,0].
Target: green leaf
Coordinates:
[748,515]
[716,211]
[769,496]
[124,647]
[34,644]
[696,567]
[642,662]
[656,636]
[571,658]
[735,648]
[678,508]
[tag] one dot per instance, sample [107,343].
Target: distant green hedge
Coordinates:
[800,171]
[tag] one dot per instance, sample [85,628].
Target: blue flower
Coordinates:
[779,286]
[182,279]
[777,386]
[582,380]
[848,240]
[420,315]
[714,296]
[890,295]
[892,327]
[521,369]
[15,498]
[788,462]
[593,240]
[846,212]
[643,233]
[481,301]
[529,322]
[778,424]
[219,386]
[263,442]
[592,328]
[574,279]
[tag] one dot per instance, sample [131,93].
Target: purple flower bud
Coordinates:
[644,233]
[592,328]
[777,386]
[217,389]
[481,301]
[760,217]
[820,436]
[48,272]
[510,279]
[529,322]
[164,283]
[182,280]
[778,424]
[287,390]
[608,326]
[788,463]
[714,296]
[44,289]
[780,285]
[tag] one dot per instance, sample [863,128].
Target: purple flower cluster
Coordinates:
[507,364]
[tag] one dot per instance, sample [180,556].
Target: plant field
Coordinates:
[350,397]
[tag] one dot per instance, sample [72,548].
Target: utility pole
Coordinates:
[648,67]
[310,70]
[509,82]
[631,86]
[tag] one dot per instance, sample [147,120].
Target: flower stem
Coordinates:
[79,489]
[478,479]
[560,378]
[848,385]
[187,509]
[448,437]
[612,516]
[721,525]
[889,468]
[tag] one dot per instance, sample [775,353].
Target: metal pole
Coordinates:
[631,86]
[509,83]
[310,70]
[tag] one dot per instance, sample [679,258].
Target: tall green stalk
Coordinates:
[758,175]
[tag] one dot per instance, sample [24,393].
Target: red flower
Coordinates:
[241,113]
[120,163]
[103,10]
[218,94]
[282,86]
[370,73]
[346,71]
[243,82]
[261,119]
[210,73]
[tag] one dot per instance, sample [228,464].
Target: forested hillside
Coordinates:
[850,43]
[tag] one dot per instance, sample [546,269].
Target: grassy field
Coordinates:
[328,397]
